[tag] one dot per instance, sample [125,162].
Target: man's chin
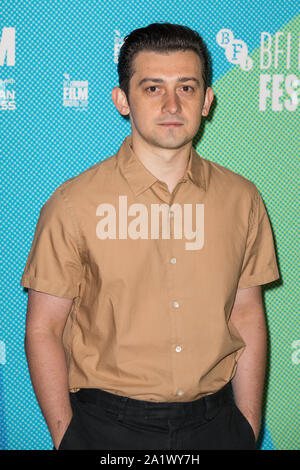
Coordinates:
[170,142]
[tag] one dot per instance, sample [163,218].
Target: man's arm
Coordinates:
[45,320]
[248,317]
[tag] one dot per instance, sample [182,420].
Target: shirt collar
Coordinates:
[140,178]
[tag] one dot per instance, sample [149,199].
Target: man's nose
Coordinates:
[171,103]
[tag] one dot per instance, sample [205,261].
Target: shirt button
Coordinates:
[178,348]
[171,214]
[175,304]
[180,392]
[173,260]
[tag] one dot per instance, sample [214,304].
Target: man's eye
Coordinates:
[151,89]
[188,86]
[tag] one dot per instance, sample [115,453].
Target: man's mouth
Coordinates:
[171,124]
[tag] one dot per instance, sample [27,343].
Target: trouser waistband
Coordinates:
[121,405]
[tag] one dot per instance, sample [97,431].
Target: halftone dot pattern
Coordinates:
[43,144]
[270,141]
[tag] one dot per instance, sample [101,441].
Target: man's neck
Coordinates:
[168,165]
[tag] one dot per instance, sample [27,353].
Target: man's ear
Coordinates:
[120,101]
[209,96]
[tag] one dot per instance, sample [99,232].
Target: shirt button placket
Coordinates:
[175,304]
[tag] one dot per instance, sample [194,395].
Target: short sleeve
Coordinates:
[54,264]
[259,263]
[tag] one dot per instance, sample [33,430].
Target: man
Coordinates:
[145,276]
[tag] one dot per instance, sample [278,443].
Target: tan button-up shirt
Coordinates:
[153,275]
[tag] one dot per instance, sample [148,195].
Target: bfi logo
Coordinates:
[118,42]
[2,353]
[236,50]
[8,47]
[8,58]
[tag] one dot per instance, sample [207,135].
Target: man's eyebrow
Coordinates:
[160,80]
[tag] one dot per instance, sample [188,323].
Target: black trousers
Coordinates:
[103,420]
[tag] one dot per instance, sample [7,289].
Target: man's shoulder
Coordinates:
[89,180]
[75,191]
[228,180]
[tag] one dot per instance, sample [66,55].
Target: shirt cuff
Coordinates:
[259,279]
[41,285]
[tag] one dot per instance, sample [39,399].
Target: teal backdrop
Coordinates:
[58,65]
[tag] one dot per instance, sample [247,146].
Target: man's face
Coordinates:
[166,97]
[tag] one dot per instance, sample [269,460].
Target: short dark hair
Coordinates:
[160,37]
